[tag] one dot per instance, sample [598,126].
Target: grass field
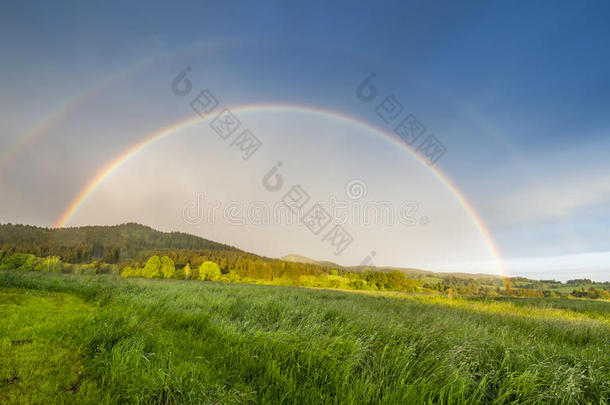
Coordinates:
[101,339]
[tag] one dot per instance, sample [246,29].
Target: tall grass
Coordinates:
[147,341]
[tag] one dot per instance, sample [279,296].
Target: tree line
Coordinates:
[134,250]
[275,272]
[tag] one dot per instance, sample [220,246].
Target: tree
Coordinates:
[378,278]
[604,294]
[50,264]
[188,273]
[397,280]
[209,271]
[152,269]
[30,264]
[593,293]
[168,269]
[16,260]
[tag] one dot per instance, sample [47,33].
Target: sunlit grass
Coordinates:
[198,342]
[39,360]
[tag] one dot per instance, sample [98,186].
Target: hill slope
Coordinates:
[100,241]
[294,258]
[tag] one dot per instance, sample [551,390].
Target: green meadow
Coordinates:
[104,340]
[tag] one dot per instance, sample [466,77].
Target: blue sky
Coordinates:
[518,92]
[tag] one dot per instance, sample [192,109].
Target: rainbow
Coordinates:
[55,117]
[72,104]
[50,121]
[100,177]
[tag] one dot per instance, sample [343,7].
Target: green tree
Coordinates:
[593,293]
[209,271]
[397,281]
[31,264]
[379,279]
[16,260]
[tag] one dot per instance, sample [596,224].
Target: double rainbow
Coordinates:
[173,129]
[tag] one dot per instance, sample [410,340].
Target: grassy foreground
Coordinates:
[101,339]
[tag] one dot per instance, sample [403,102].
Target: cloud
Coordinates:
[554,194]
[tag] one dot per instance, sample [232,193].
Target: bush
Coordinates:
[131,272]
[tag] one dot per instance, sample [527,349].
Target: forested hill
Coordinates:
[106,243]
[136,248]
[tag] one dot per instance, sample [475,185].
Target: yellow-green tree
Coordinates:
[188,273]
[168,269]
[209,271]
[152,269]
[50,264]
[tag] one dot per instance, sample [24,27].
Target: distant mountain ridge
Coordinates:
[406,270]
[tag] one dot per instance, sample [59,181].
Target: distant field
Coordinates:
[102,339]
